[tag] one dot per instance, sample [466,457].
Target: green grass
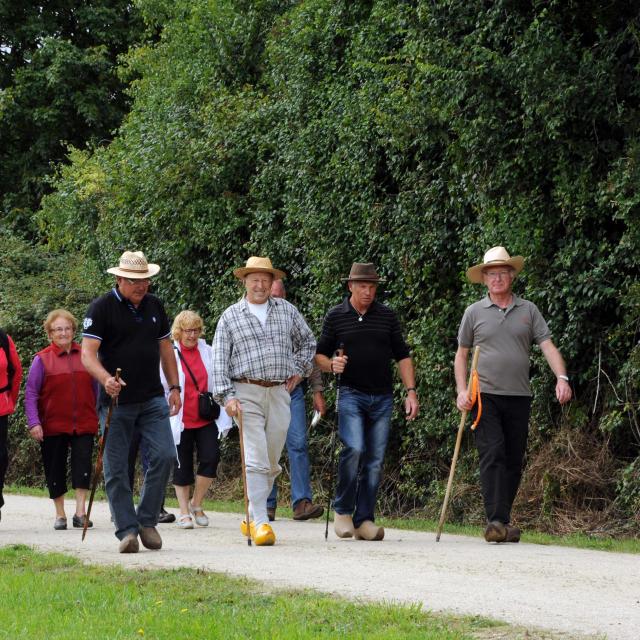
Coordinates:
[577,540]
[56,597]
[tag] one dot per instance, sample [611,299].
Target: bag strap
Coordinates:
[4,344]
[195,384]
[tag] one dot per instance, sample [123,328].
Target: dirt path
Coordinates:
[557,588]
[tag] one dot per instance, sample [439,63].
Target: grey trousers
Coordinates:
[265,419]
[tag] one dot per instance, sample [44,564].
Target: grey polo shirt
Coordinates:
[505,339]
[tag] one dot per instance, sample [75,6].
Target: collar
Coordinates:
[61,352]
[487,302]
[347,307]
[244,303]
[120,298]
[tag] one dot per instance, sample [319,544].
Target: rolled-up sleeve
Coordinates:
[223,389]
[304,346]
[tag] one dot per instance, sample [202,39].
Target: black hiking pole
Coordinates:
[339,352]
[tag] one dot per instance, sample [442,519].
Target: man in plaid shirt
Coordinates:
[262,349]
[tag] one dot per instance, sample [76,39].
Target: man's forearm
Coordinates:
[168,362]
[407,373]
[460,369]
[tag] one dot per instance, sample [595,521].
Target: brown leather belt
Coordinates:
[260,383]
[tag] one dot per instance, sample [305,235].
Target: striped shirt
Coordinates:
[243,348]
[371,342]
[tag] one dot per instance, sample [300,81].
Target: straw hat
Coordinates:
[363,272]
[495,257]
[256,264]
[134,265]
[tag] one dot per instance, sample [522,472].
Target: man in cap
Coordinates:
[297,446]
[128,328]
[372,339]
[504,326]
[262,349]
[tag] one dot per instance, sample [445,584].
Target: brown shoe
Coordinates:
[305,509]
[513,534]
[495,531]
[369,530]
[150,538]
[129,544]
[271,513]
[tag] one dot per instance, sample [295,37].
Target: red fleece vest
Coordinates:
[67,402]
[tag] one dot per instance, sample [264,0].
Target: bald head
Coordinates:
[278,290]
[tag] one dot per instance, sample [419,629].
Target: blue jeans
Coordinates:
[151,418]
[298,453]
[364,421]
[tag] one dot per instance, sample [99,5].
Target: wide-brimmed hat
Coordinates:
[495,257]
[256,264]
[134,265]
[363,271]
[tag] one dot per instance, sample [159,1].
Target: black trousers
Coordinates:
[4,454]
[501,440]
[206,441]
[55,450]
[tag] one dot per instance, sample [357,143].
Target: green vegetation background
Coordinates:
[411,134]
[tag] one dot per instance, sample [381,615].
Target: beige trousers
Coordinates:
[265,421]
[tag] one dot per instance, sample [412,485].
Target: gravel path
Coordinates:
[576,591]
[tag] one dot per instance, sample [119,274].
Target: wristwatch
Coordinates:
[563,377]
[175,386]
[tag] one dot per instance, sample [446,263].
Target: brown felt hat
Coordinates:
[363,272]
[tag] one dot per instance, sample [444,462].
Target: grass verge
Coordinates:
[55,596]
[577,540]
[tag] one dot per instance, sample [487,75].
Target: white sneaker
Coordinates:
[184,522]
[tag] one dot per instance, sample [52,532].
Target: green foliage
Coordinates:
[413,134]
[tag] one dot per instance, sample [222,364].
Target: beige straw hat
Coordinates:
[495,257]
[134,265]
[256,264]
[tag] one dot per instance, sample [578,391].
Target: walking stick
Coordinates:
[244,477]
[456,451]
[339,352]
[98,470]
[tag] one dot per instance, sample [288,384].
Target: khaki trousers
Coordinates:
[265,421]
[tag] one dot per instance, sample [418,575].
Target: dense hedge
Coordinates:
[412,134]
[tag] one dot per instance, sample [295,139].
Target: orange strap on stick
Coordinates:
[475,397]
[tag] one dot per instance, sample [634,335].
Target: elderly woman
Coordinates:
[60,403]
[10,377]
[195,359]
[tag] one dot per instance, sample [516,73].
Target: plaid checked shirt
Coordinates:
[243,348]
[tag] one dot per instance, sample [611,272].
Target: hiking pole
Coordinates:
[244,476]
[98,470]
[339,352]
[456,451]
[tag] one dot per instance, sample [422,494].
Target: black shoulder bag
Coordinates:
[208,408]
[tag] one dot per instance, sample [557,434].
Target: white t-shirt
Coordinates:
[259,311]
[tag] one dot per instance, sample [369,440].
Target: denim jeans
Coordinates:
[152,420]
[364,421]
[298,453]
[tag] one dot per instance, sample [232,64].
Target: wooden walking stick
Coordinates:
[98,470]
[244,476]
[456,451]
[339,352]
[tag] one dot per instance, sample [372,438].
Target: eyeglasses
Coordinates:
[494,275]
[194,331]
[145,281]
[61,329]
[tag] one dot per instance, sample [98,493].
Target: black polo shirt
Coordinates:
[371,341]
[129,339]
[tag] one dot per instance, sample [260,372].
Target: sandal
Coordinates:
[201,520]
[184,521]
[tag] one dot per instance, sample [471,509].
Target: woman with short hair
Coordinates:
[194,358]
[60,403]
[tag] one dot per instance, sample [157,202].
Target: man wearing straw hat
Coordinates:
[504,326]
[372,339]
[128,328]
[262,349]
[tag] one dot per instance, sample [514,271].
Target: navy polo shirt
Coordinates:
[371,341]
[129,339]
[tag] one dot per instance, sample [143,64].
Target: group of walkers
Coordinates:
[176,394]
